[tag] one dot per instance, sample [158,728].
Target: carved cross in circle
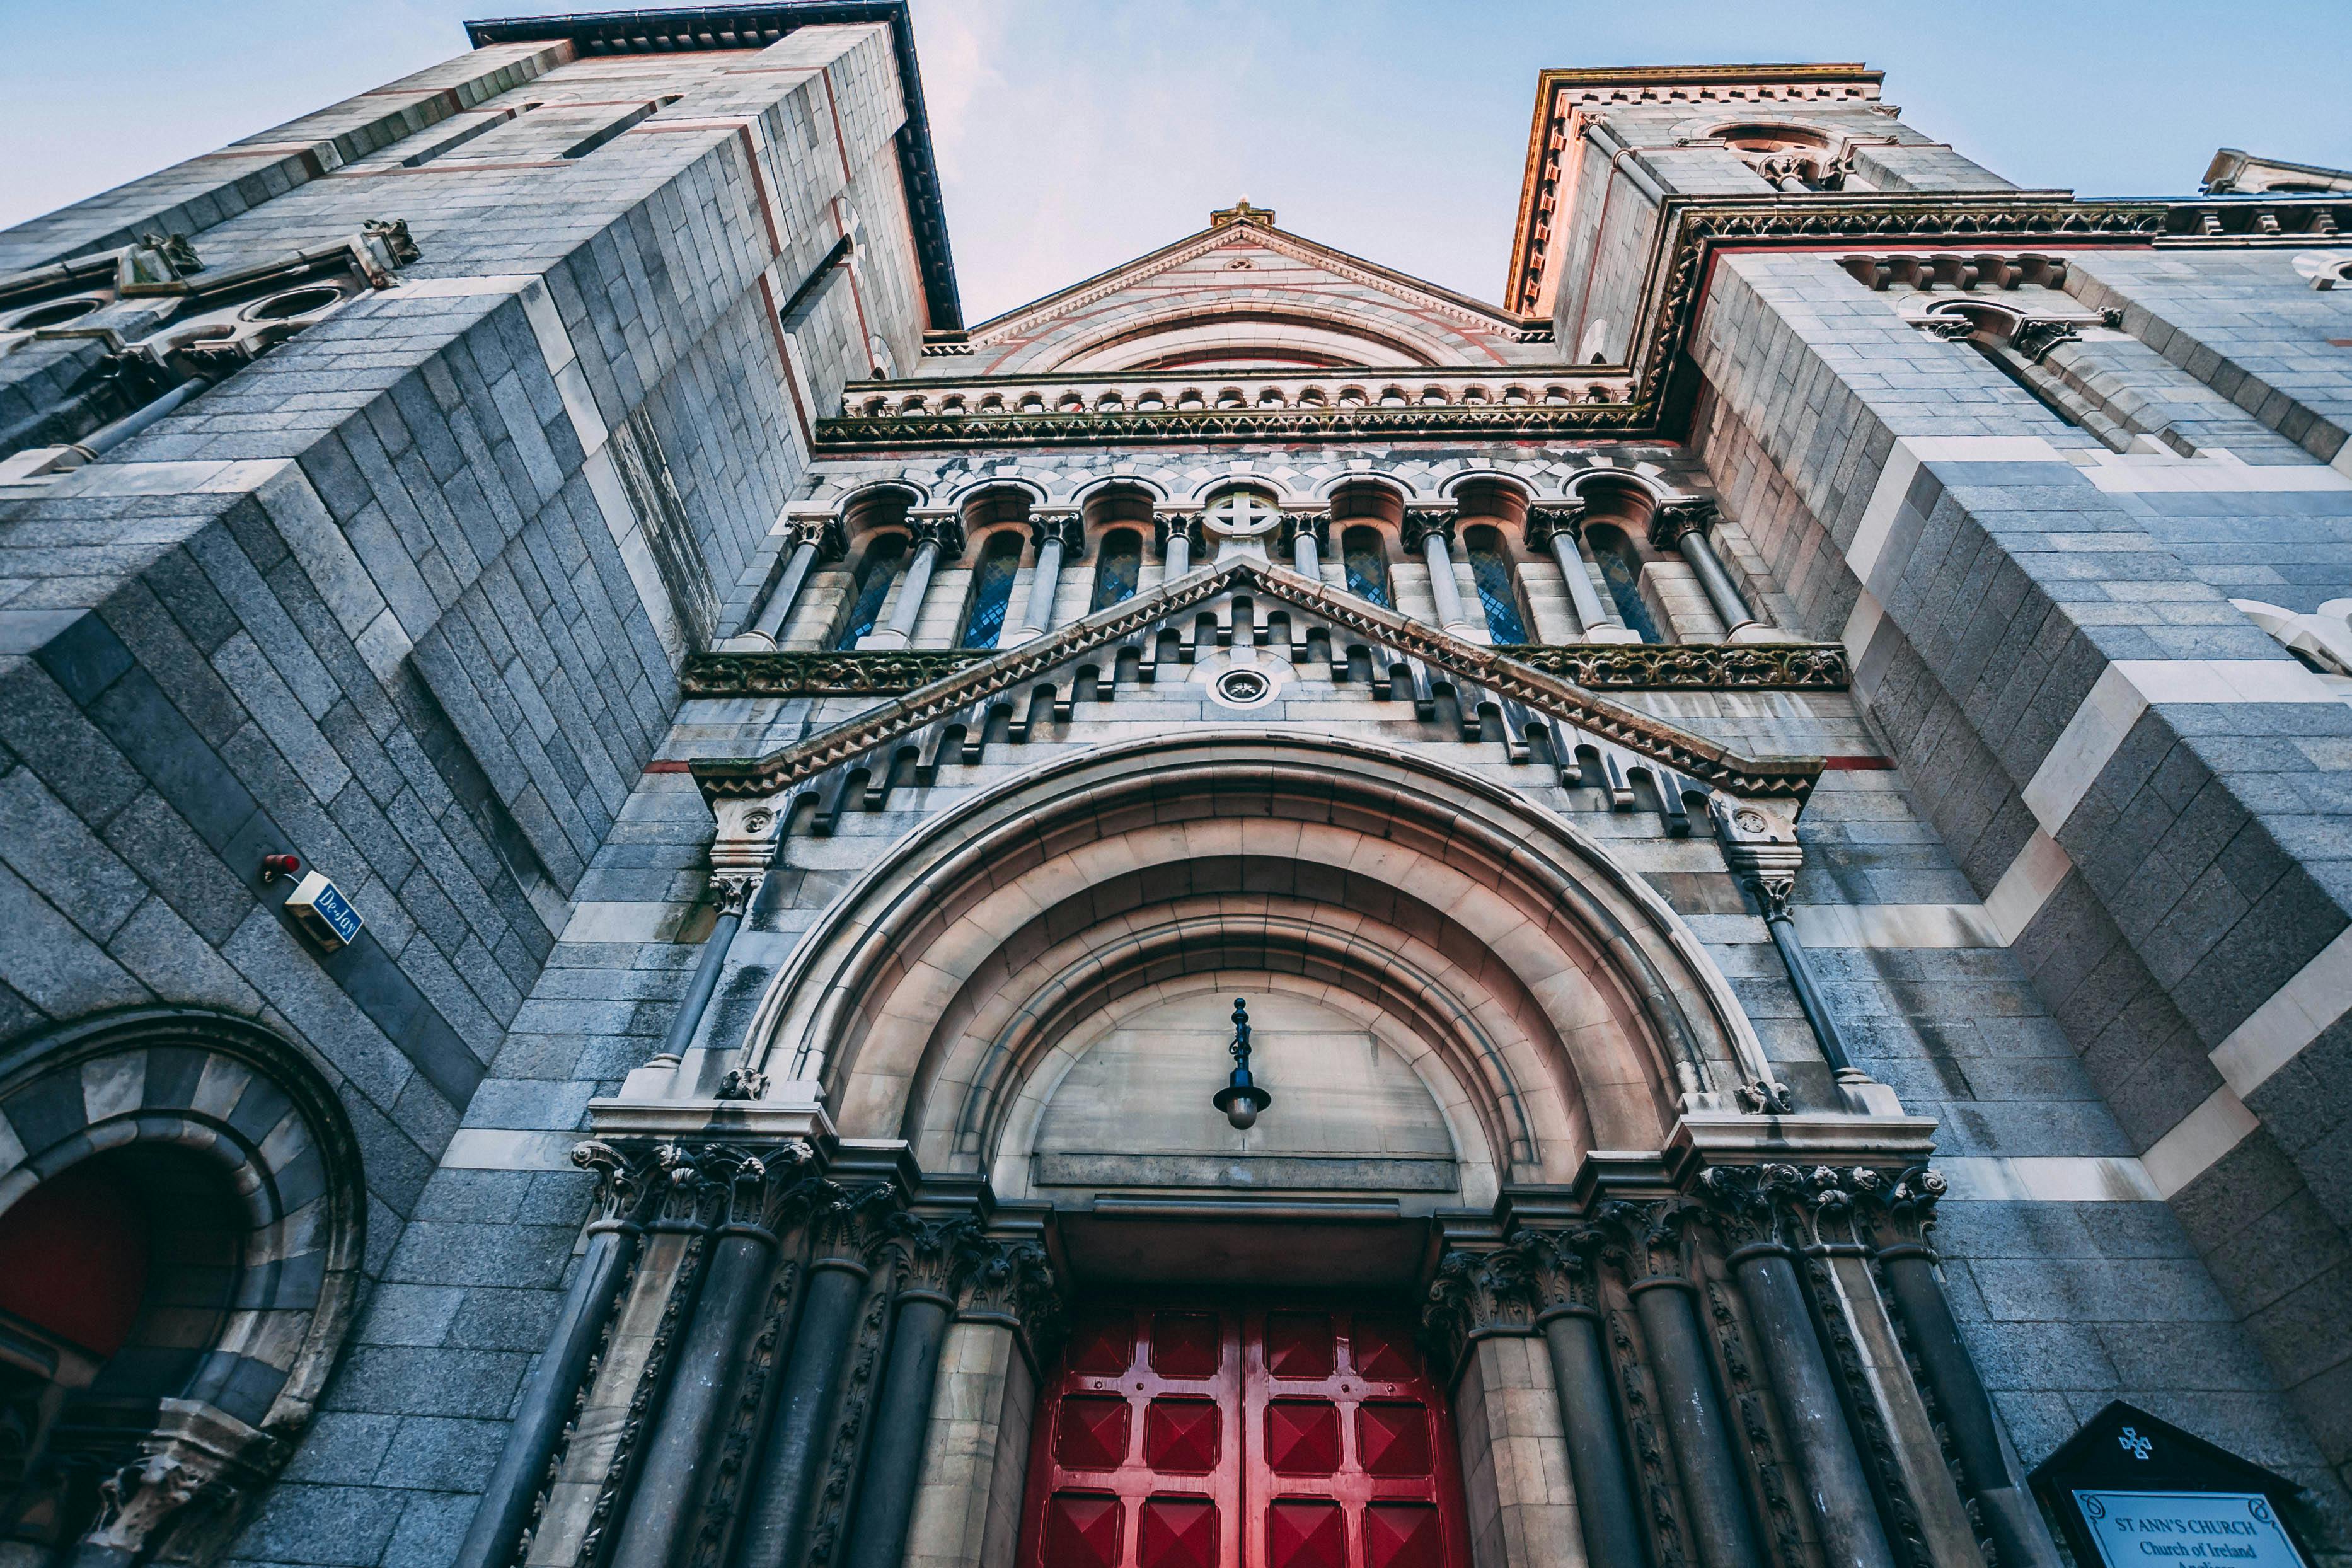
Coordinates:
[1242,515]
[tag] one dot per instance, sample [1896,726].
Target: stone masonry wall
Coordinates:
[406,597]
[2146,794]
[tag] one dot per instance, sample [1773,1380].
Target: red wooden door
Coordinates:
[1242,1437]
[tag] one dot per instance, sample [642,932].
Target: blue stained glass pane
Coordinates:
[1116,568]
[1492,572]
[1626,593]
[992,591]
[873,580]
[1368,568]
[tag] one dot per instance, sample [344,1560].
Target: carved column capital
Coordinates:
[1755,1205]
[1653,1235]
[1545,522]
[1166,525]
[1477,1295]
[1012,1283]
[730,891]
[627,1177]
[1888,1210]
[943,528]
[1673,519]
[1422,522]
[848,1227]
[1293,523]
[824,531]
[1558,1266]
[1064,525]
[933,1255]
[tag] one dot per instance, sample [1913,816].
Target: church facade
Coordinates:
[662,906]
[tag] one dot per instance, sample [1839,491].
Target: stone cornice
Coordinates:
[1692,232]
[1507,677]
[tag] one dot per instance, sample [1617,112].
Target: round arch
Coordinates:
[233,1147]
[1192,327]
[1560,1004]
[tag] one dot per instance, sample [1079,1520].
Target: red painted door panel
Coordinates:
[1182,1437]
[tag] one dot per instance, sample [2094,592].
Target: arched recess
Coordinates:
[205,1188]
[1562,1004]
[1298,329]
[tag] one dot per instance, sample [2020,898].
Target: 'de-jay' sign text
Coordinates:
[2146,1528]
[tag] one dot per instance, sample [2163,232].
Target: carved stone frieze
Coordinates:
[1612,666]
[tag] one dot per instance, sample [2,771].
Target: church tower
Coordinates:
[662,907]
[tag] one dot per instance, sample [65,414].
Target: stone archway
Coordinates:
[1564,1007]
[200,1188]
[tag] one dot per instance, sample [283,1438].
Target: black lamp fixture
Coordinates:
[1241,1100]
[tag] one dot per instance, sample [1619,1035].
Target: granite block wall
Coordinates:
[406,597]
[2144,793]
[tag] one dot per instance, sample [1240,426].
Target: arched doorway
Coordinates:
[181,1226]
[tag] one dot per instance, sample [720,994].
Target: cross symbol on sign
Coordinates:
[1242,515]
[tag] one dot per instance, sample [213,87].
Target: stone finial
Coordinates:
[1241,212]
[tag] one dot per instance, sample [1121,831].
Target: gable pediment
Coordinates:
[1250,296]
[956,717]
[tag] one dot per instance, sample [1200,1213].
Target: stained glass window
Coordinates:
[1367,566]
[1490,568]
[1116,565]
[991,590]
[875,576]
[1624,588]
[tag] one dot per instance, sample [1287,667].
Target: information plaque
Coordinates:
[2129,1489]
[2143,1528]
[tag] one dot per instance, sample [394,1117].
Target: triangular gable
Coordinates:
[957,709]
[1249,258]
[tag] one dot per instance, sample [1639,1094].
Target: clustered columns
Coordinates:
[1179,535]
[808,542]
[937,535]
[1055,533]
[1430,532]
[763,1391]
[1304,535]
[1728,1371]
[1681,527]
[1559,530]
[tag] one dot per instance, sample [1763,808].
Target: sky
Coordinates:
[1072,136]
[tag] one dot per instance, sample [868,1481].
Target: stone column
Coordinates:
[1507,1415]
[845,1234]
[734,889]
[1176,531]
[966,1499]
[683,1447]
[934,1257]
[1053,533]
[1432,534]
[1760,847]
[624,1181]
[1691,1406]
[1558,530]
[937,536]
[1303,535]
[808,541]
[1747,1200]
[1559,1268]
[1900,1213]
[1681,527]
